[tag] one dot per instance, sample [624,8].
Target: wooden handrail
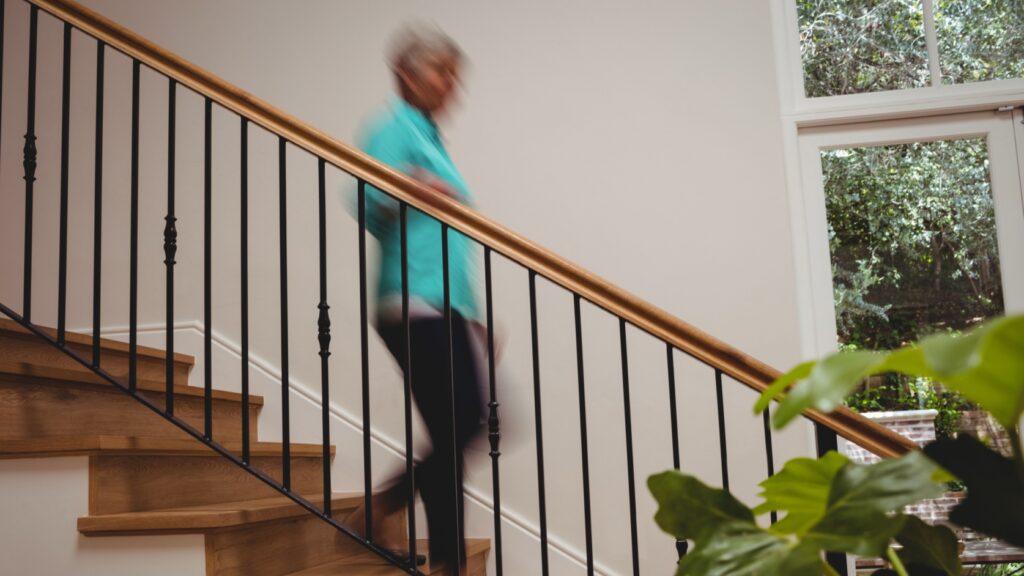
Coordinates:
[642,314]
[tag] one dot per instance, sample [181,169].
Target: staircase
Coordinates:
[166,457]
[147,477]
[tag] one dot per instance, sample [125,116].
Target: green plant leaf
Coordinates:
[743,549]
[828,383]
[801,490]
[799,372]
[995,490]
[688,509]
[888,485]
[986,366]
[864,532]
[933,547]
[858,515]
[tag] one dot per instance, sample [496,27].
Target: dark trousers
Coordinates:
[438,478]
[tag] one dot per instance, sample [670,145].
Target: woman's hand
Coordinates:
[431,180]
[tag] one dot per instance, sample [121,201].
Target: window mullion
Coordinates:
[932,41]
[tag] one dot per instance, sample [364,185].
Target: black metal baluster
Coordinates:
[629,447]
[493,423]
[721,430]
[170,241]
[365,357]
[540,431]
[65,129]
[681,545]
[583,437]
[207,270]
[410,471]
[769,455]
[286,458]
[827,441]
[97,231]
[456,456]
[672,404]
[29,159]
[244,267]
[324,337]
[133,297]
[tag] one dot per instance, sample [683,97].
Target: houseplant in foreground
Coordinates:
[832,504]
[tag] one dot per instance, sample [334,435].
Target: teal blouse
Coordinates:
[406,139]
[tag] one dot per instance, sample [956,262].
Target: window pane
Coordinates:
[913,240]
[853,46]
[980,39]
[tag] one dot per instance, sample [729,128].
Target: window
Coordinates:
[857,46]
[912,235]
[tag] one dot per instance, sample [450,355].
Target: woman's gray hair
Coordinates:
[414,45]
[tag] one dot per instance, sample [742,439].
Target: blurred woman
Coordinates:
[405,135]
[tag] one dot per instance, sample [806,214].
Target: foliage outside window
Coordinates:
[857,46]
[913,244]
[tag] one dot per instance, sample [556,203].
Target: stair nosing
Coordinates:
[107,344]
[95,444]
[86,377]
[207,517]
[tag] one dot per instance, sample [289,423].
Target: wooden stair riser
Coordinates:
[135,483]
[368,564]
[28,348]
[278,548]
[34,408]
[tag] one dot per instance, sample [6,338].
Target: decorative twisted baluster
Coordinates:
[323,323]
[170,245]
[29,159]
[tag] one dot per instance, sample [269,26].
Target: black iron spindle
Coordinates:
[769,454]
[540,431]
[133,296]
[286,458]
[629,446]
[207,270]
[681,545]
[827,440]
[170,241]
[65,129]
[324,337]
[669,354]
[584,449]
[721,430]
[365,359]
[29,159]
[410,471]
[456,456]
[493,423]
[244,272]
[97,228]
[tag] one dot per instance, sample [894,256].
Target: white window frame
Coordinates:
[938,98]
[798,112]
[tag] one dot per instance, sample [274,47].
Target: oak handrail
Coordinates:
[644,315]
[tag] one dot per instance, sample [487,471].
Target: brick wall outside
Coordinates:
[919,426]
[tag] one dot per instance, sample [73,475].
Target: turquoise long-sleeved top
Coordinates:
[406,139]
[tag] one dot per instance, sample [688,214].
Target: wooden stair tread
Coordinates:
[109,443]
[368,565]
[8,325]
[209,516]
[85,377]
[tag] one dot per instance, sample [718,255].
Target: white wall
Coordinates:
[641,141]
